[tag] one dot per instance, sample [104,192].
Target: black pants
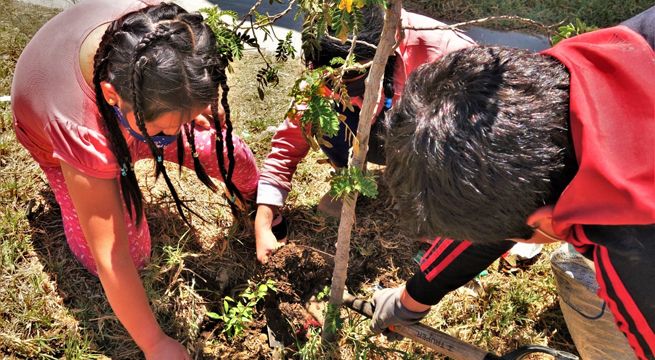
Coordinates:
[341,143]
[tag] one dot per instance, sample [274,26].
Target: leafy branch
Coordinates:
[459,25]
[231,39]
[349,180]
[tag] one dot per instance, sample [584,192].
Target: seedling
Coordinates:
[237,314]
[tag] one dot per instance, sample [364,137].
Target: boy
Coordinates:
[499,145]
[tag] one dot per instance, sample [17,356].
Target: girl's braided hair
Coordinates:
[162,59]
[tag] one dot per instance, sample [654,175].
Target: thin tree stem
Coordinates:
[369,107]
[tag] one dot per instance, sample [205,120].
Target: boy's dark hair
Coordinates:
[162,59]
[478,141]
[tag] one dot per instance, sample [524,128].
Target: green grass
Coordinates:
[19,21]
[601,13]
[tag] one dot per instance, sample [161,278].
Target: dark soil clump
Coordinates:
[299,273]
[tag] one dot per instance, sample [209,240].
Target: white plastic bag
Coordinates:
[587,317]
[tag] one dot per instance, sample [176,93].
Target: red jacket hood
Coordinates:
[612,122]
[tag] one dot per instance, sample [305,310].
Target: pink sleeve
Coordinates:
[420,47]
[288,148]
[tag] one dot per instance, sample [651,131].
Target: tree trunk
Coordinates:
[369,108]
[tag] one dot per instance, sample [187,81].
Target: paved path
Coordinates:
[282,26]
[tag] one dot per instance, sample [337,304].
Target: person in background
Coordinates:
[102,85]
[289,145]
[490,146]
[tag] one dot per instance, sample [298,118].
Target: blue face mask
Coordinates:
[159,140]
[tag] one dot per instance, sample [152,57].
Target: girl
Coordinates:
[109,82]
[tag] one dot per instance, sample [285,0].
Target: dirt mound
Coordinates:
[299,273]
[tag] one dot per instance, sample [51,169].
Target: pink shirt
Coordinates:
[55,113]
[289,147]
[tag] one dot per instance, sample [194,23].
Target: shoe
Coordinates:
[329,206]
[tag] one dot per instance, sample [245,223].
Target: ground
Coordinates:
[50,307]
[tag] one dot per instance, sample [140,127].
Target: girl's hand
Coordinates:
[167,349]
[267,245]
[266,242]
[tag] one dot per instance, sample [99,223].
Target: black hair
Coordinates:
[372,22]
[478,141]
[161,59]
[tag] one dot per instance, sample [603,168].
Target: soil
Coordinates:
[300,273]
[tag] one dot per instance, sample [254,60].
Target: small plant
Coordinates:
[571,30]
[311,349]
[323,294]
[238,313]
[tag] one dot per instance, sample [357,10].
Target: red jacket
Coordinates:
[612,122]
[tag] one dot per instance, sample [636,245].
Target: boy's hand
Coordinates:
[266,241]
[389,311]
[167,348]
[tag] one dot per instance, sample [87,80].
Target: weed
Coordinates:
[570,30]
[237,314]
[323,294]
[311,349]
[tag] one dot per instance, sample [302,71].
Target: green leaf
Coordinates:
[350,180]
[213,315]
[571,30]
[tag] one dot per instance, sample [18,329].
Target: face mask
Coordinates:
[159,140]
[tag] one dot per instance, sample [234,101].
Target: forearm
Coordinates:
[450,264]
[288,148]
[127,297]
[100,210]
[264,218]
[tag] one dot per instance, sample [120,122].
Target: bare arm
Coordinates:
[100,211]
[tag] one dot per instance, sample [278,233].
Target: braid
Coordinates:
[218,74]
[387,81]
[130,190]
[180,150]
[228,138]
[197,166]
[221,160]
[137,80]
